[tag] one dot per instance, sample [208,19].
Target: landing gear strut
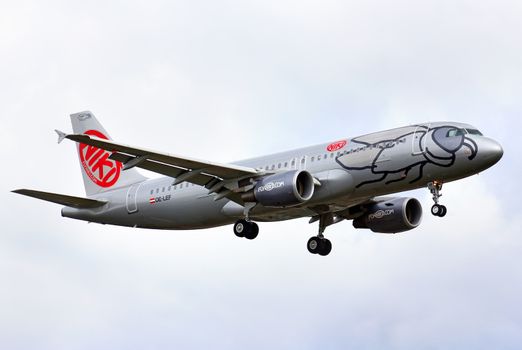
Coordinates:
[319,244]
[437,209]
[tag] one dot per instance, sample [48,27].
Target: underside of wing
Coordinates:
[69,201]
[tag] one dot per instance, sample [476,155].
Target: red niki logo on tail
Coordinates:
[103,171]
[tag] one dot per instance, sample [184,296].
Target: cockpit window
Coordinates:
[474,132]
[455,132]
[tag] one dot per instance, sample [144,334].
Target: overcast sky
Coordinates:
[226,80]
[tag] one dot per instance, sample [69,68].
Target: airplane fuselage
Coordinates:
[348,172]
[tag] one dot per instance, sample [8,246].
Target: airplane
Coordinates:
[348,179]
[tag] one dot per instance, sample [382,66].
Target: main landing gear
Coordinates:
[319,244]
[437,209]
[316,245]
[245,228]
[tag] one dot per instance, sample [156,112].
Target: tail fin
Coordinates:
[100,173]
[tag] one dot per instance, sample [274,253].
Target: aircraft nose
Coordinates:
[491,151]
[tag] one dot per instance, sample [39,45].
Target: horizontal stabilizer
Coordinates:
[69,201]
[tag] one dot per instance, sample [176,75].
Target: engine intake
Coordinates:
[391,216]
[285,189]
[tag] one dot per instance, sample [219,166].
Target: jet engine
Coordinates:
[391,216]
[285,189]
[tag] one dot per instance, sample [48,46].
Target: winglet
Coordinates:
[61,135]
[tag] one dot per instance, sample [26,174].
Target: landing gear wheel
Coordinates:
[252,230]
[326,247]
[247,229]
[439,210]
[318,245]
[240,227]
[314,245]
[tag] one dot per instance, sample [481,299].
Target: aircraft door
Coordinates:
[420,136]
[132,205]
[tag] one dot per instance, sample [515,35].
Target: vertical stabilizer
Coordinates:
[100,173]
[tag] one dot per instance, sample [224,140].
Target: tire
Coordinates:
[252,230]
[314,245]
[436,209]
[326,247]
[241,228]
[443,211]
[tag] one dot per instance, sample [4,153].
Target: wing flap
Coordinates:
[69,201]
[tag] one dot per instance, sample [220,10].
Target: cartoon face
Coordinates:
[449,140]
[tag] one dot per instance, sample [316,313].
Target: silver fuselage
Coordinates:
[367,166]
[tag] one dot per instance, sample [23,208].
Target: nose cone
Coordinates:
[490,151]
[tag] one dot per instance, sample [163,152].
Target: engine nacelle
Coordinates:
[285,189]
[391,216]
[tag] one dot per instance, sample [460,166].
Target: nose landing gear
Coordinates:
[437,209]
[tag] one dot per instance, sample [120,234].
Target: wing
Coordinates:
[226,180]
[70,201]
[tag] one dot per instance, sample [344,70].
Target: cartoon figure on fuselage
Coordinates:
[438,146]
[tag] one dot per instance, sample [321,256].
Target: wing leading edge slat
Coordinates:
[224,171]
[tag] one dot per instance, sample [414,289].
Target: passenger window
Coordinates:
[170,188]
[163,189]
[157,190]
[331,155]
[279,166]
[273,166]
[286,164]
[312,159]
[293,162]
[151,192]
[303,161]
[319,157]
